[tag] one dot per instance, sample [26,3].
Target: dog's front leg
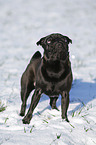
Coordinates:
[34,101]
[64,105]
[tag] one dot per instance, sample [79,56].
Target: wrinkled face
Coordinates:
[55,46]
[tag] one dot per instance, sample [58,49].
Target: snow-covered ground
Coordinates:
[22,24]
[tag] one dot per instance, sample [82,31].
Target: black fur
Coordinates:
[50,74]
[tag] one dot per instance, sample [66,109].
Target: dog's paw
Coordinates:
[55,108]
[65,119]
[26,119]
[22,114]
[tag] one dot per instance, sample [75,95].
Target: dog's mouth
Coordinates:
[53,56]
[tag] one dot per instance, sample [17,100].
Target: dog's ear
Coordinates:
[68,39]
[41,41]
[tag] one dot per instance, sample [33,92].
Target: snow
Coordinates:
[22,24]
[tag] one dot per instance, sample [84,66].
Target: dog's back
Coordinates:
[34,62]
[30,72]
[37,55]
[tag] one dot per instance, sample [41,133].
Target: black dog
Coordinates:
[50,74]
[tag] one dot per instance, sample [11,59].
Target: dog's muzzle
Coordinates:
[56,52]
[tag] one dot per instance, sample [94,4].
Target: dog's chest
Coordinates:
[53,74]
[50,82]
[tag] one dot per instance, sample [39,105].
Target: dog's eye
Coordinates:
[65,40]
[48,41]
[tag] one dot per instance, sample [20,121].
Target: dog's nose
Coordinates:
[51,57]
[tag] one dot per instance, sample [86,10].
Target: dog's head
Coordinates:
[55,46]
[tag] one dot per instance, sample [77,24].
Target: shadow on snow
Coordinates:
[81,92]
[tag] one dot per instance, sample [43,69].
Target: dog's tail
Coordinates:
[36,56]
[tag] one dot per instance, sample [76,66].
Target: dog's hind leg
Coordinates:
[64,105]
[53,102]
[26,88]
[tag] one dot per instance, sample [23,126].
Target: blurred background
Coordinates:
[22,24]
